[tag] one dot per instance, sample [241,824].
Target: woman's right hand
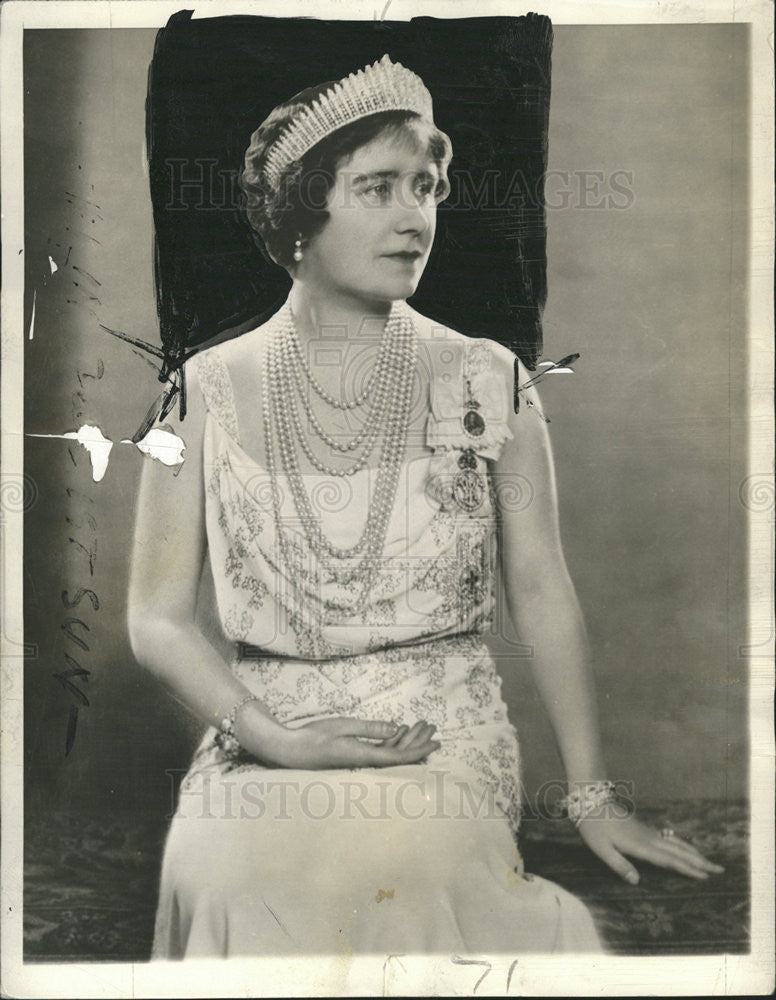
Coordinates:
[342,743]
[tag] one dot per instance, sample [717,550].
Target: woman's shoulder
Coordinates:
[227,376]
[225,365]
[210,377]
[231,353]
[444,346]
[470,381]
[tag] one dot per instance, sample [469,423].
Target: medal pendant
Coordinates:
[473,423]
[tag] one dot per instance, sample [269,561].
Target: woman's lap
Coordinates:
[413,858]
[418,858]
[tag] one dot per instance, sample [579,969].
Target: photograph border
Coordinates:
[604,975]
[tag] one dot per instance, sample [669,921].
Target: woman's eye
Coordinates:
[379,191]
[382,191]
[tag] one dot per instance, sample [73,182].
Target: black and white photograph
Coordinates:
[387,504]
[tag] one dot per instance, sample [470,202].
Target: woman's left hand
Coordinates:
[611,838]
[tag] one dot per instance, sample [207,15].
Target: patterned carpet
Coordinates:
[90,885]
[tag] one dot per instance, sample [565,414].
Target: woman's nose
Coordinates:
[415,211]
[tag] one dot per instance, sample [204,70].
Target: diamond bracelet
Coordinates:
[225,738]
[580,803]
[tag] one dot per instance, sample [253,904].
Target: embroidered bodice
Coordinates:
[437,570]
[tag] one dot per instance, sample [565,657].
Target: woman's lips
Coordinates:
[406,258]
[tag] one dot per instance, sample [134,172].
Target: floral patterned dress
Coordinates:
[413,858]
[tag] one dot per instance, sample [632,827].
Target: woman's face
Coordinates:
[382,219]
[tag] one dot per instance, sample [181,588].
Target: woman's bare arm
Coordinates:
[539,594]
[167,558]
[545,611]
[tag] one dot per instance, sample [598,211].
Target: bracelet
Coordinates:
[581,803]
[225,738]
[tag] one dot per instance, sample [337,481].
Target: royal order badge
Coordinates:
[468,487]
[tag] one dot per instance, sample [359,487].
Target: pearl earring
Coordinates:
[298,250]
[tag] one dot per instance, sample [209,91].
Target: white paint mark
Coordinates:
[164,446]
[53,264]
[92,439]
[32,320]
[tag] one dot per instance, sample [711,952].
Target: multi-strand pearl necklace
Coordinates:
[284,373]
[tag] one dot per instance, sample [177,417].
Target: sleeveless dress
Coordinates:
[409,859]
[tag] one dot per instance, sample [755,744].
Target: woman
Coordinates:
[347,482]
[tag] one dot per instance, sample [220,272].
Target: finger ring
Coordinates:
[667,832]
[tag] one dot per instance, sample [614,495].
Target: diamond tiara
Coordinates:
[383,86]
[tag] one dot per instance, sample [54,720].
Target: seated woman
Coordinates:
[347,477]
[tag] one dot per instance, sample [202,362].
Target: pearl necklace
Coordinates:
[341,404]
[393,378]
[294,378]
